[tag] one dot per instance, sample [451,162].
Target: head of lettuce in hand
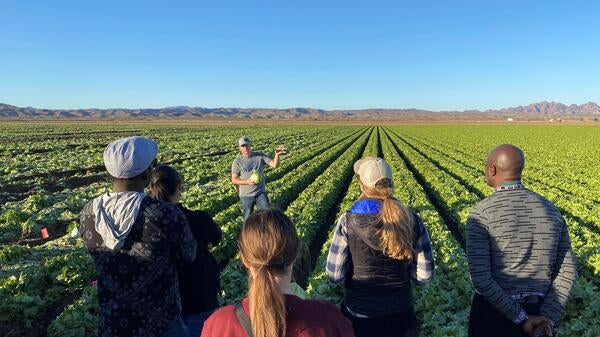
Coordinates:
[255,177]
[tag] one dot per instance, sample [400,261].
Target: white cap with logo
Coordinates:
[371,170]
[128,157]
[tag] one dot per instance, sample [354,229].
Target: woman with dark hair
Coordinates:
[199,280]
[378,248]
[268,248]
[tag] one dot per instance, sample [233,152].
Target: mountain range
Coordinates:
[534,110]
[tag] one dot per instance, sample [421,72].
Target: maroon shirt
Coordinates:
[305,318]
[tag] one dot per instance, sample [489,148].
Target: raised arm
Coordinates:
[278,152]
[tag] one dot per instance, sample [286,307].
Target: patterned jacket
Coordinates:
[137,284]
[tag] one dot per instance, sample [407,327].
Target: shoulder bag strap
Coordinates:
[243,319]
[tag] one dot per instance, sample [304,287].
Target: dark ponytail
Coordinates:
[165,181]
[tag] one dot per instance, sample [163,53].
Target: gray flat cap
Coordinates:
[128,157]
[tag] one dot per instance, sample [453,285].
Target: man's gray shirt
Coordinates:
[243,168]
[518,244]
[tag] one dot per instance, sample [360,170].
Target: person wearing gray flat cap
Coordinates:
[135,242]
[248,177]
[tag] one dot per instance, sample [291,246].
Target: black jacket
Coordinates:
[199,280]
[379,285]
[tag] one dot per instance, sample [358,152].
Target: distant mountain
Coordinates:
[553,108]
[185,112]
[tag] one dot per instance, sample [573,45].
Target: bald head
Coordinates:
[504,163]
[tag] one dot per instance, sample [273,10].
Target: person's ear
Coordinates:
[493,170]
[147,176]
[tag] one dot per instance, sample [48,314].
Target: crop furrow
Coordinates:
[433,195]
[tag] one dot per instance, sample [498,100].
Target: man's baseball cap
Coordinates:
[371,170]
[244,141]
[128,157]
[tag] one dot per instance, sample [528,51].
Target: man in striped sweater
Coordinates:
[519,254]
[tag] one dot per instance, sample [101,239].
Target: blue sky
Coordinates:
[437,55]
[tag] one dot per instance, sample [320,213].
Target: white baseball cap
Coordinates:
[128,157]
[371,170]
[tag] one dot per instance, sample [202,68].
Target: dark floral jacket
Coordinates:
[138,290]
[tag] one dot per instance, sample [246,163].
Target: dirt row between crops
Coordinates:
[315,247]
[55,231]
[15,151]
[18,192]
[433,197]
[66,135]
[471,188]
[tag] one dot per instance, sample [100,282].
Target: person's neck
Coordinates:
[117,188]
[507,182]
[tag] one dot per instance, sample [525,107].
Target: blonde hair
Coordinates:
[268,247]
[396,233]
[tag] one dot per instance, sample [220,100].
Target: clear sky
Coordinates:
[437,55]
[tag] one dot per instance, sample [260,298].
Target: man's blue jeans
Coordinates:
[260,200]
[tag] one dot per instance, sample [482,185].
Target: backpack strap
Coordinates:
[243,318]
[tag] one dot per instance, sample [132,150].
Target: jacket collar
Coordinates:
[367,206]
[510,185]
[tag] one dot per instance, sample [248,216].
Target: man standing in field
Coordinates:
[248,176]
[519,254]
[135,242]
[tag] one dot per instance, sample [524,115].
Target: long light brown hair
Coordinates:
[268,247]
[396,233]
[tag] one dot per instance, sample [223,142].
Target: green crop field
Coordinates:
[48,172]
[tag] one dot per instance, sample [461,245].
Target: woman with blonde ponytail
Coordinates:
[379,248]
[268,248]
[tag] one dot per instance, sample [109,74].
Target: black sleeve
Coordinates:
[175,225]
[205,227]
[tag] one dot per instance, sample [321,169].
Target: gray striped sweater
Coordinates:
[518,244]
